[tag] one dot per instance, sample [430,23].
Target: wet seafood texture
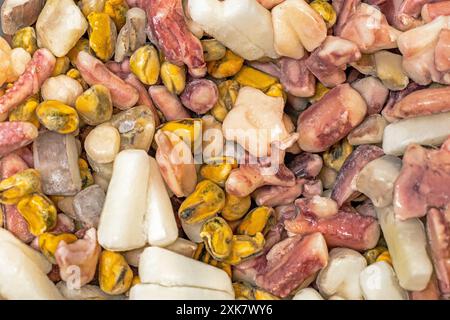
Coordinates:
[225,149]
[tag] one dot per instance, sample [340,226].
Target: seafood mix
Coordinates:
[235,149]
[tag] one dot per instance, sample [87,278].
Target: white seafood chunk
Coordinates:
[378,282]
[427,130]
[21,278]
[244,26]
[376,180]
[169,269]
[341,275]
[39,260]
[59,26]
[121,226]
[160,219]
[407,246]
[297,27]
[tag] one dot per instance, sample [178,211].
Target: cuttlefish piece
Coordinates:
[423,182]
[176,163]
[418,48]
[255,122]
[369,29]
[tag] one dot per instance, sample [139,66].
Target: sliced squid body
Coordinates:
[419,47]
[38,259]
[426,130]
[175,276]
[297,27]
[244,26]
[407,244]
[379,282]
[22,278]
[137,208]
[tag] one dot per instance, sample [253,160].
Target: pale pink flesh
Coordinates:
[200,95]
[144,97]
[368,28]
[83,253]
[438,228]
[273,196]
[15,135]
[431,292]
[167,24]
[347,228]
[344,189]
[168,103]
[442,51]
[374,93]
[93,71]
[423,182]
[291,263]
[295,78]
[249,177]
[329,120]
[420,103]
[37,71]
[431,11]
[14,221]
[396,96]
[329,61]
[344,9]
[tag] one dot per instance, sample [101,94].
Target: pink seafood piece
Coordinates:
[423,182]
[420,103]
[312,188]
[168,28]
[396,96]
[15,135]
[293,74]
[374,93]
[431,11]
[14,221]
[27,155]
[144,97]
[293,263]
[344,189]
[369,29]
[329,61]
[431,292]
[249,177]
[442,51]
[344,9]
[295,77]
[79,259]
[306,165]
[343,227]
[401,14]
[200,95]
[273,196]
[418,47]
[120,69]
[438,229]
[330,119]
[93,71]
[37,71]
[168,103]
